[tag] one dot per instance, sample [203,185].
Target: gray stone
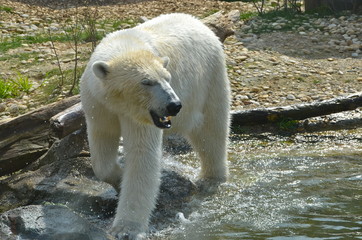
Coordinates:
[64,176]
[354,55]
[234,15]
[220,24]
[291,97]
[2,107]
[143,19]
[13,109]
[49,222]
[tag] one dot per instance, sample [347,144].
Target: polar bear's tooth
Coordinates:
[165,119]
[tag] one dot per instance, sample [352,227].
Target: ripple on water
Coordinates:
[294,192]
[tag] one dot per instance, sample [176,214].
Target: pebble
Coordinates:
[22,107]
[291,97]
[242,58]
[13,109]
[2,107]
[142,19]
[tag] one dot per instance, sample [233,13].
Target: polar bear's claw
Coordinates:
[128,235]
[127,230]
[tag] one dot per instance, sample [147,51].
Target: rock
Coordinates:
[255,90]
[220,24]
[330,26]
[175,190]
[64,176]
[355,55]
[13,109]
[25,138]
[242,58]
[241,97]
[142,19]
[291,97]
[22,107]
[314,40]
[46,223]
[71,146]
[234,16]
[2,107]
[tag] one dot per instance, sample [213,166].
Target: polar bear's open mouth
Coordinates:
[161,121]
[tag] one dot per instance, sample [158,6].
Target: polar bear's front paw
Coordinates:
[208,186]
[124,230]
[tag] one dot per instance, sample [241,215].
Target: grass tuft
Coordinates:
[10,88]
[6,9]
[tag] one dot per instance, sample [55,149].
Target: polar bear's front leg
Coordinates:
[104,144]
[141,179]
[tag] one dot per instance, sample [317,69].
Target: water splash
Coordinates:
[277,190]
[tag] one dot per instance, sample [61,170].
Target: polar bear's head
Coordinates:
[138,85]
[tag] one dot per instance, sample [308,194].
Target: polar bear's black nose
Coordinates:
[173,108]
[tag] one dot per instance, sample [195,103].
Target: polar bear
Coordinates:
[172,66]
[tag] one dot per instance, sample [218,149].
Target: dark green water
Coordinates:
[300,187]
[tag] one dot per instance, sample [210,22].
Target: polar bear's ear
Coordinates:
[165,61]
[100,69]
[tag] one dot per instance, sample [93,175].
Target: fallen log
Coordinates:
[67,121]
[296,112]
[73,118]
[25,138]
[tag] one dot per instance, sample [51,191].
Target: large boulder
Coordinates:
[48,222]
[63,176]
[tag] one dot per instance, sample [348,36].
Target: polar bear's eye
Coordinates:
[147,82]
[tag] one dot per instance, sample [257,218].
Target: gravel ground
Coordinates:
[314,59]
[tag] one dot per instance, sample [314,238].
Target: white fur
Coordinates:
[170,58]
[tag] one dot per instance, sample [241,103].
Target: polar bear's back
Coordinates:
[175,23]
[179,30]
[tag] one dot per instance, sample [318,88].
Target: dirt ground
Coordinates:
[267,69]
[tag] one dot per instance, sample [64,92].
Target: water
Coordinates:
[300,187]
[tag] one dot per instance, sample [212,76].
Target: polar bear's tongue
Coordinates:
[165,119]
[161,121]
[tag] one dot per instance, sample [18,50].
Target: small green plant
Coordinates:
[10,88]
[247,15]
[6,9]
[7,90]
[287,124]
[22,83]
[316,81]
[210,12]
[288,21]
